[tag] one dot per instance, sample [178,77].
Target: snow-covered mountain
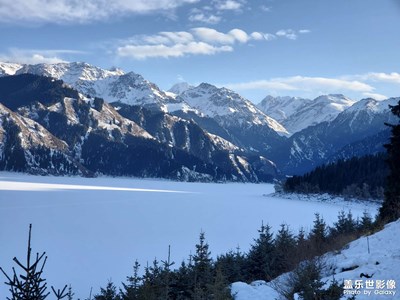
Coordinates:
[228,106]
[111,85]
[297,113]
[361,125]
[115,140]
[281,108]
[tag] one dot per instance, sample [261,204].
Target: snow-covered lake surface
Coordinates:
[93,229]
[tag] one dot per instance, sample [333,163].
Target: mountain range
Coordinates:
[75,118]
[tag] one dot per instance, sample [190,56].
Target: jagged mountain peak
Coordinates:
[297,113]
[180,87]
[372,105]
[228,107]
[70,72]
[282,107]
[112,85]
[7,68]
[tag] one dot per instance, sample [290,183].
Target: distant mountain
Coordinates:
[96,137]
[297,114]
[357,130]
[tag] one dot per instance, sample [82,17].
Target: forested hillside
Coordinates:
[360,177]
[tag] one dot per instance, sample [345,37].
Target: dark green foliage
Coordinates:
[13,157]
[261,256]
[108,293]
[366,224]
[232,265]
[319,234]
[131,287]
[359,177]
[219,289]
[202,269]
[285,247]
[345,224]
[390,210]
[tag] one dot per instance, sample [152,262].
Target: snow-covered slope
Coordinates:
[296,113]
[228,107]
[377,255]
[281,108]
[9,68]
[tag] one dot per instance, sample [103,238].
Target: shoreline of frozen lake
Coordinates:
[93,229]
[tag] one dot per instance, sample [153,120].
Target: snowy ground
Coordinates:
[94,229]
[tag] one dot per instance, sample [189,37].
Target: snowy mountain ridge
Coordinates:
[227,106]
[113,85]
[297,114]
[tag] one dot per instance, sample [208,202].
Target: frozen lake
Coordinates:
[93,229]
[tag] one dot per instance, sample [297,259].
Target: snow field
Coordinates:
[93,229]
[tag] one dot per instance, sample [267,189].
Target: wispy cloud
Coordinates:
[302,83]
[83,11]
[376,77]
[213,12]
[204,18]
[375,96]
[287,33]
[228,5]
[197,41]
[165,51]
[36,56]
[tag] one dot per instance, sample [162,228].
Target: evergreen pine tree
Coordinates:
[261,255]
[319,234]
[202,267]
[220,290]
[390,210]
[285,247]
[131,288]
[108,293]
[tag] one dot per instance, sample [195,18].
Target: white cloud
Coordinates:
[66,11]
[177,50]
[377,77]
[36,56]
[265,8]
[260,85]
[376,96]
[239,35]
[213,36]
[200,41]
[269,36]
[228,5]
[304,31]
[287,33]
[201,17]
[167,37]
[257,36]
[302,83]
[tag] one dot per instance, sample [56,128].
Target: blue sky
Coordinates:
[255,47]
